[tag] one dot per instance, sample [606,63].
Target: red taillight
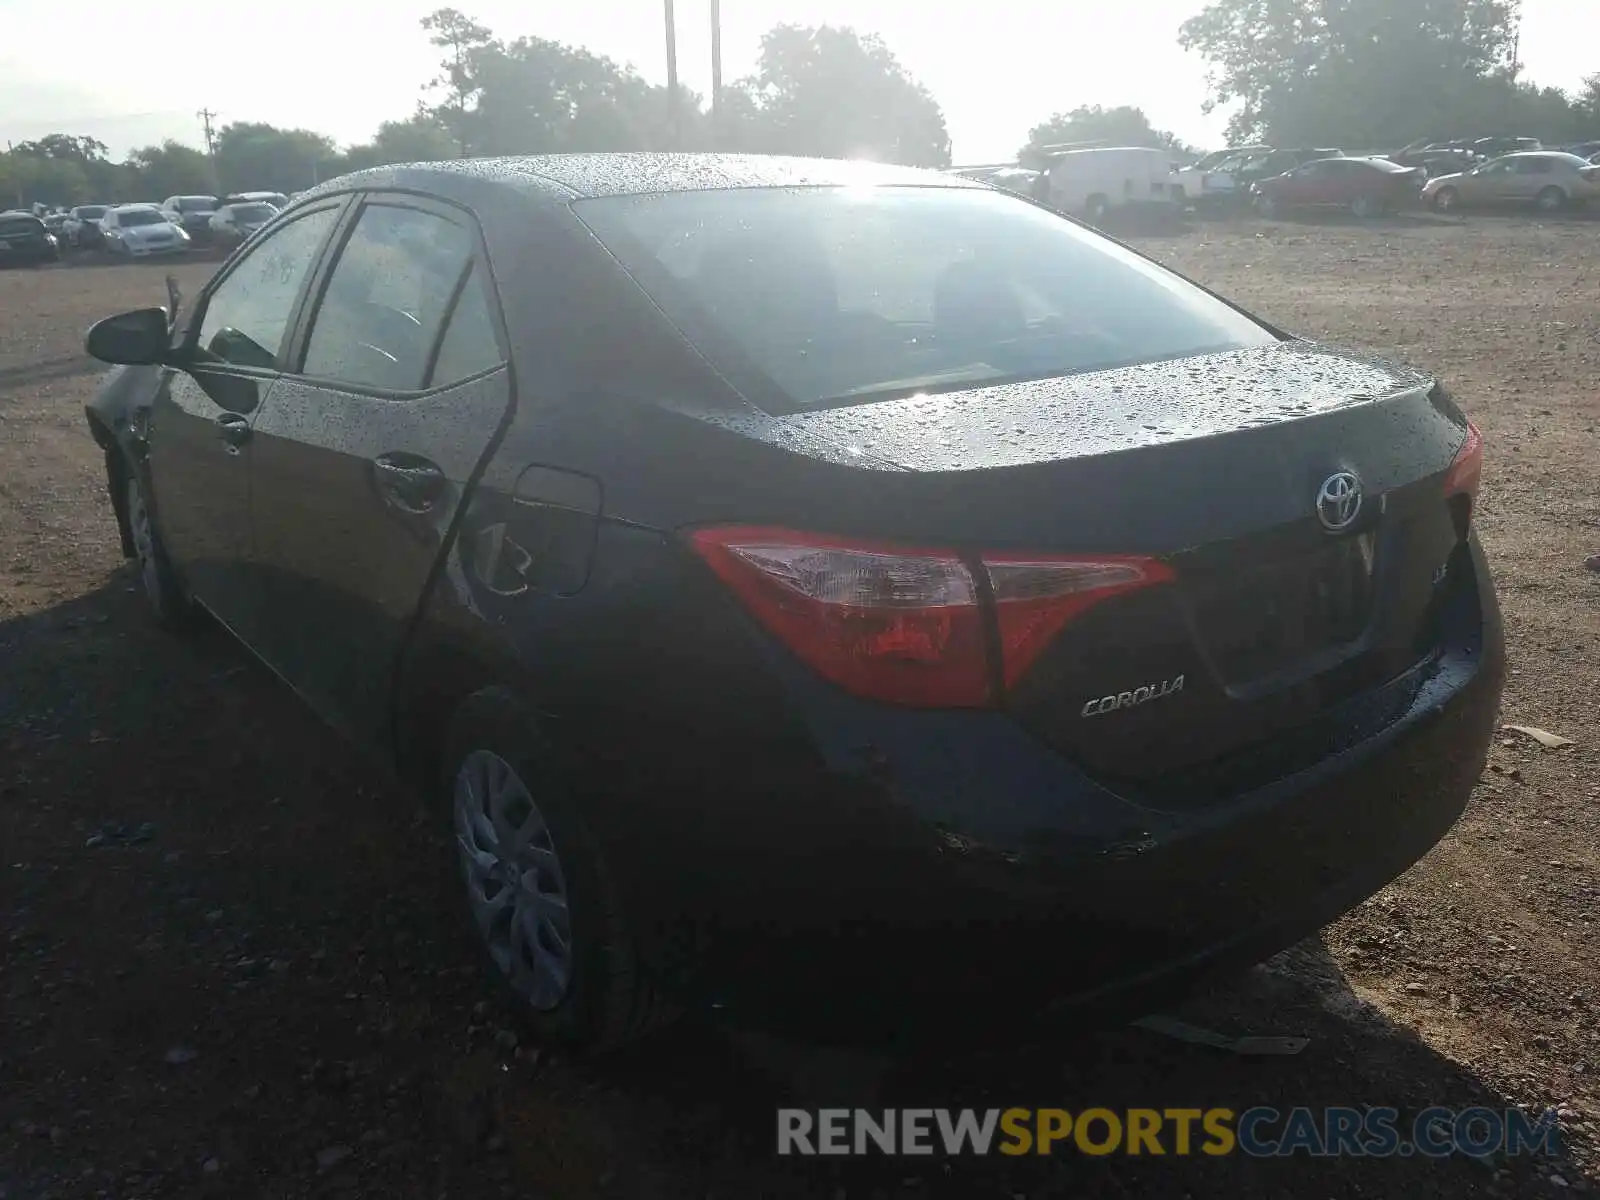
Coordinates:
[904,625]
[1035,598]
[1467,467]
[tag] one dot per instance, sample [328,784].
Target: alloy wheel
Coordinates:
[516,886]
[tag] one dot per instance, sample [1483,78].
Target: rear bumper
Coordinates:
[893,870]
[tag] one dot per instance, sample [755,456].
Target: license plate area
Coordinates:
[1262,619]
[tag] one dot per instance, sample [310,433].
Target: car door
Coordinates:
[1533,174]
[198,435]
[1308,185]
[364,454]
[1484,185]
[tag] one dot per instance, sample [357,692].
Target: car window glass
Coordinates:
[247,315]
[469,346]
[386,298]
[1533,166]
[836,294]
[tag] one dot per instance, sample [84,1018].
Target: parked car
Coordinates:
[233,223]
[25,241]
[276,199]
[141,230]
[1436,159]
[83,226]
[846,594]
[1099,182]
[1228,184]
[1549,180]
[1496,147]
[192,214]
[1206,180]
[1366,186]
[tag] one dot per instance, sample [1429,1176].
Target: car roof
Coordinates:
[561,177]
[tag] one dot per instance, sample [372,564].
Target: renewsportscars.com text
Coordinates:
[1259,1132]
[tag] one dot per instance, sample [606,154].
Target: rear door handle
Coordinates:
[233,428]
[407,482]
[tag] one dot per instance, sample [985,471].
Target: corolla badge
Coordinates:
[1131,699]
[1339,501]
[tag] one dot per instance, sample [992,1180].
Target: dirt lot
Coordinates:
[227,972]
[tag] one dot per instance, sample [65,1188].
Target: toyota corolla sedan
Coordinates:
[141,230]
[851,596]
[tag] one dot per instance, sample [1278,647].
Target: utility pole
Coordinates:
[672,75]
[716,59]
[11,149]
[206,115]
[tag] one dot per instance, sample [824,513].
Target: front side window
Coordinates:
[248,313]
[837,295]
[1533,166]
[386,298]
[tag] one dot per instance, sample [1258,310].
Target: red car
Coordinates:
[1366,186]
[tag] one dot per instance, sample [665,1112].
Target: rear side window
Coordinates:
[469,346]
[1534,166]
[386,299]
[248,313]
[835,295]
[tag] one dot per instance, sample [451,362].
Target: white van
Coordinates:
[1095,183]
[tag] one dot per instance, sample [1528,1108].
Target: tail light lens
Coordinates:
[909,626]
[1466,469]
[1461,481]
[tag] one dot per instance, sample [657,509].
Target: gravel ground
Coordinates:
[227,970]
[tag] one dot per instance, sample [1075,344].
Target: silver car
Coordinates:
[142,230]
[233,223]
[1547,179]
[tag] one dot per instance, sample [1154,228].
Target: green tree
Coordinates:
[1352,72]
[1123,125]
[465,44]
[63,169]
[258,157]
[831,91]
[422,138]
[170,169]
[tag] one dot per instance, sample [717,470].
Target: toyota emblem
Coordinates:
[1339,501]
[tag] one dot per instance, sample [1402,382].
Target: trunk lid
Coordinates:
[1296,492]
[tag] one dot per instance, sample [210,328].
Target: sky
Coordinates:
[996,68]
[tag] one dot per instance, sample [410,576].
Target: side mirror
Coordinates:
[138,338]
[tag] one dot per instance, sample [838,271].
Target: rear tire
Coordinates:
[1364,207]
[1445,199]
[1552,199]
[540,901]
[171,608]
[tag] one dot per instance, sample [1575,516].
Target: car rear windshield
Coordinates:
[141,216]
[839,295]
[19,225]
[92,213]
[196,204]
[252,212]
